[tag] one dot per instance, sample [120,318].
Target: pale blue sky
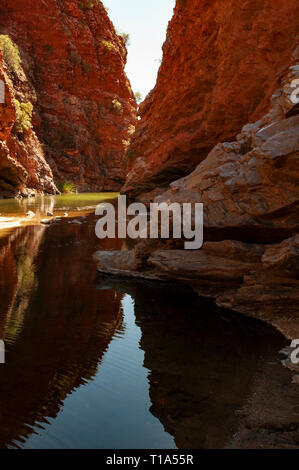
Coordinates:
[146,22]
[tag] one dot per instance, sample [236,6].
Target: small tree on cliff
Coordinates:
[10,53]
[126,38]
[138,97]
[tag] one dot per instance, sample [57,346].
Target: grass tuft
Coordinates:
[67,188]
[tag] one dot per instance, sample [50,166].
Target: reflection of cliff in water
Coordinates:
[57,326]
[202,361]
[17,279]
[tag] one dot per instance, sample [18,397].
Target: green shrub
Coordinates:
[24,116]
[66,187]
[10,53]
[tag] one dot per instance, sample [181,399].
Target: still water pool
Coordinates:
[93,362]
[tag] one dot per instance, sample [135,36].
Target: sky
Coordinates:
[146,22]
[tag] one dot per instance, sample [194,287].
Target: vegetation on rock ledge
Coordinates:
[10,53]
[24,115]
[66,187]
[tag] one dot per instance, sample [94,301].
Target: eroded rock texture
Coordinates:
[249,187]
[84,108]
[222,62]
[22,161]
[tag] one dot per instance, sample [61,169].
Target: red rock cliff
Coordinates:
[23,167]
[84,111]
[222,62]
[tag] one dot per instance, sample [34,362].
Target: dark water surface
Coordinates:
[102,363]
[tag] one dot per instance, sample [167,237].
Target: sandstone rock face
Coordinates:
[222,62]
[23,167]
[84,111]
[249,188]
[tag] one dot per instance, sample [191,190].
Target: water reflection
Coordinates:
[43,204]
[18,278]
[55,324]
[92,362]
[112,411]
[202,361]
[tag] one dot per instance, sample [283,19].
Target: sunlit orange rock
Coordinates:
[222,62]
[23,167]
[84,108]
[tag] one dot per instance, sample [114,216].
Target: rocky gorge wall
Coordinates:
[222,62]
[248,185]
[84,110]
[249,188]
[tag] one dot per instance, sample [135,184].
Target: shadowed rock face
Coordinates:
[221,64]
[270,290]
[256,280]
[84,108]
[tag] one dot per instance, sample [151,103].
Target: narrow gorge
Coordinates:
[227,74]
[162,346]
